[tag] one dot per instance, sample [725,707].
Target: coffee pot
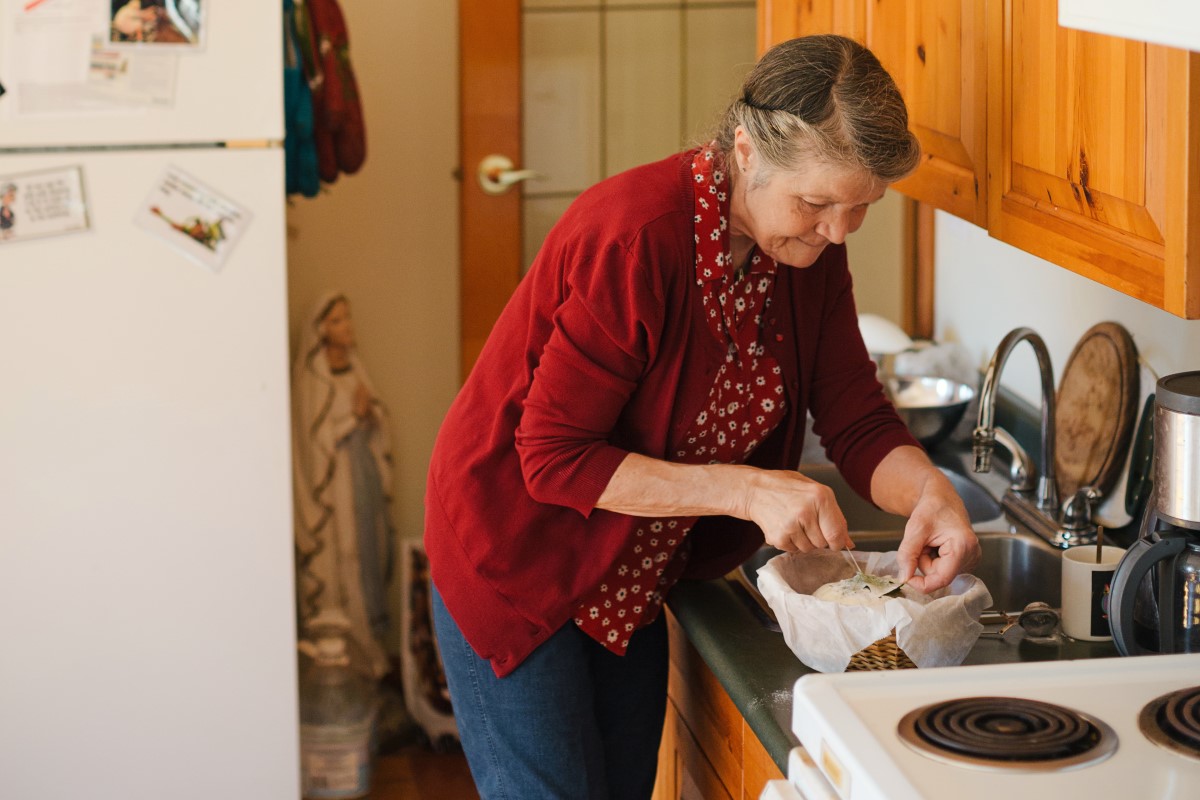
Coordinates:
[1154,606]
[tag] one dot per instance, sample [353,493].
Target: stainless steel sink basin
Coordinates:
[863,516]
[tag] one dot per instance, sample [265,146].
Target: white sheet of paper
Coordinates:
[35,205]
[59,63]
[193,218]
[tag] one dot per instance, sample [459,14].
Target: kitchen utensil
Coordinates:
[929,406]
[850,557]
[1177,449]
[1099,543]
[1155,602]
[1095,410]
[1038,619]
[1085,591]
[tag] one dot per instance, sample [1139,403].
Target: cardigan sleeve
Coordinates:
[856,423]
[605,332]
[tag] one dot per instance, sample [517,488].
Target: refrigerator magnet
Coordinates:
[176,23]
[193,218]
[48,202]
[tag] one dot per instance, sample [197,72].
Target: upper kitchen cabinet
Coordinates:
[936,52]
[1095,154]
[1080,148]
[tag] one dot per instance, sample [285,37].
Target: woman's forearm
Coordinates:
[649,487]
[900,479]
[794,512]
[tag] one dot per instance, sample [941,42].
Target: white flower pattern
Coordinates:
[745,403]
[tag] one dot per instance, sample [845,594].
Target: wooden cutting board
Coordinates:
[1096,410]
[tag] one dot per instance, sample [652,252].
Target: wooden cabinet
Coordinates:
[936,52]
[708,752]
[1079,148]
[1095,155]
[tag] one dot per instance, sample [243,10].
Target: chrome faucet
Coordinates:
[1035,508]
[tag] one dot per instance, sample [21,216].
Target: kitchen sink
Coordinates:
[1018,568]
[864,516]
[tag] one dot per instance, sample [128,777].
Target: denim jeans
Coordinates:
[572,722]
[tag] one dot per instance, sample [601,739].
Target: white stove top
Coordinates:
[848,723]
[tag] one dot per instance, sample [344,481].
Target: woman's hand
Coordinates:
[794,512]
[938,538]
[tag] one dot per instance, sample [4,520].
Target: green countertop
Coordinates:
[758,669]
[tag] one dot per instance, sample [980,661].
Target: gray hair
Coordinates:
[826,97]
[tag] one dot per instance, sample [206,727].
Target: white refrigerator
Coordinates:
[147,644]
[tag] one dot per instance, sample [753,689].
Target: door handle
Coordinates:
[497,176]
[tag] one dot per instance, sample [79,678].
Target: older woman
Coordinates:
[637,414]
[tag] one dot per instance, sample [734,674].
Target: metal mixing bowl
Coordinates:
[931,407]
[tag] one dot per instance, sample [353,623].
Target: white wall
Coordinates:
[876,253]
[388,235]
[985,288]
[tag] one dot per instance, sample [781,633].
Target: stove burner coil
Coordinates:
[1173,721]
[1007,733]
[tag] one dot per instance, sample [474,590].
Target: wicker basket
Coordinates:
[882,654]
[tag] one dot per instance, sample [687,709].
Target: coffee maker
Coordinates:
[1155,602]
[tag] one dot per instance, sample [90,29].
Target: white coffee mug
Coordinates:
[1086,585]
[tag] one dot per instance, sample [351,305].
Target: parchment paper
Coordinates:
[826,635]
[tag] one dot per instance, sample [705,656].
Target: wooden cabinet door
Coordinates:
[936,52]
[779,20]
[1094,154]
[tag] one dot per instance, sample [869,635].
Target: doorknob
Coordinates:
[497,176]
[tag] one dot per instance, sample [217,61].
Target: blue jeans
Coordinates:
[572,722]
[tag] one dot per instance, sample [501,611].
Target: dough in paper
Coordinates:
[865,590]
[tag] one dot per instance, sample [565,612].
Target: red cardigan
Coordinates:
[602,351]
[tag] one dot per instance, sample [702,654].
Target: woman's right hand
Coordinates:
[794,512]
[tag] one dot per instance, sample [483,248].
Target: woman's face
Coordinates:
[792,215]
[337,326]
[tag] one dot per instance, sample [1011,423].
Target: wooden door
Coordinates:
[490,119]
[1094,157]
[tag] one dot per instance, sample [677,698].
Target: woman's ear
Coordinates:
[743,149]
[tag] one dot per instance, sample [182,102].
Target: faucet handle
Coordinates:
[1077,510]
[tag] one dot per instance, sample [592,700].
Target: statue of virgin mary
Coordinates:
[343,474]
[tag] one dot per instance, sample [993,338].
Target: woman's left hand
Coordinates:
[938,539]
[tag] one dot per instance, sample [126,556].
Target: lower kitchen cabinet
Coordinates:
[708,752]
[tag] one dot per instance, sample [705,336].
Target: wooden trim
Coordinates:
[918,267]
[490,121]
